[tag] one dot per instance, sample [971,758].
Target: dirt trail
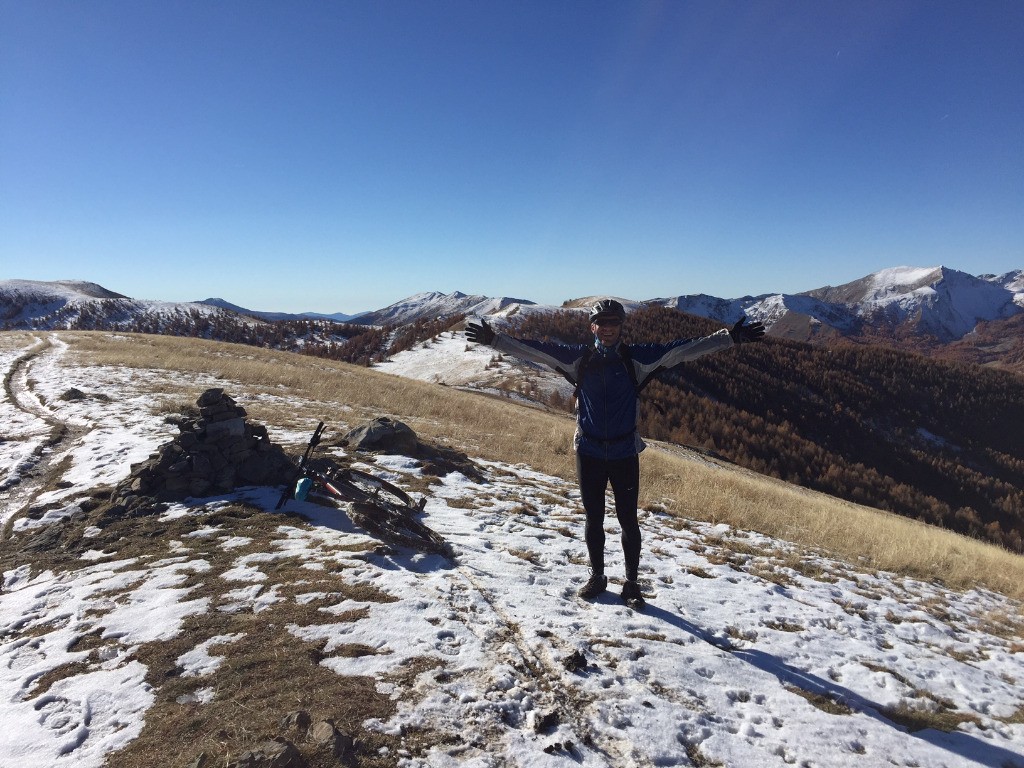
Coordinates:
[37,471]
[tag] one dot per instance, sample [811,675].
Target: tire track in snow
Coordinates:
[17,389]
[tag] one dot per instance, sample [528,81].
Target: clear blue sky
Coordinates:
[340,156]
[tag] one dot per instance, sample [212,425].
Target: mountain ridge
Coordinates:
[338,317]
[935,310]
[429,305]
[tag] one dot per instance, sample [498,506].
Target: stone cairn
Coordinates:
[214,453]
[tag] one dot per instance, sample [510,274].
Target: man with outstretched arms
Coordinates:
[608,376]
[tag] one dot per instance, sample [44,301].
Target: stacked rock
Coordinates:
[214,453]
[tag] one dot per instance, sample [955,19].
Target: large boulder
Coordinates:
[385,435]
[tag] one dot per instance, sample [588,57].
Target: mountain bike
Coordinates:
[377,504]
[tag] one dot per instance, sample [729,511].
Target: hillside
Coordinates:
[932,440]
[186,635]
[853,419]
[997,344]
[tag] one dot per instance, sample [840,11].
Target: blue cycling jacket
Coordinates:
[606,411]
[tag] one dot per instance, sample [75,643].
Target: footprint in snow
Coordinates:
[447,643]
[62,716]
[21,654]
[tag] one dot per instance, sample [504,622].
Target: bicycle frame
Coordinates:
[290,490]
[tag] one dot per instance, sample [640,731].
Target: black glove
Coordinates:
[479,333]
[742,334]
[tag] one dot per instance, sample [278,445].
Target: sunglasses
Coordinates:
[607,321]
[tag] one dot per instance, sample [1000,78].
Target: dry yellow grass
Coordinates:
[683,483]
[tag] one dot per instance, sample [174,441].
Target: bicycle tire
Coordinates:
[374,490]
[397,527]
[426,534]
[356,485]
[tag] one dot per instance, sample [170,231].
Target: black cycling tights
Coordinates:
[624,476]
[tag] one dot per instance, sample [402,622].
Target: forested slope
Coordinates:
[942,442]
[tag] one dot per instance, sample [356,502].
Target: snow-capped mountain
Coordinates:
[433,304]
[42,305]
[939,302]
[62,304]
[936,304]
[22,300]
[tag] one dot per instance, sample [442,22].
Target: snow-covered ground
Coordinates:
[451,360]
[751,653]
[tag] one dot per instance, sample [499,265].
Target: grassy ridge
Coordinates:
[303,390]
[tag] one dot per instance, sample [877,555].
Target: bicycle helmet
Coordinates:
[607,308]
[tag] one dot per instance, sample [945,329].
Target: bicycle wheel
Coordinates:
[387,511]
[395,525]
[430,539]
[375,490]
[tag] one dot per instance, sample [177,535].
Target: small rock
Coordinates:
[210,397]
[298,720]
[276,753]
[234,427]
[576,662]
[326,734]
[544,723]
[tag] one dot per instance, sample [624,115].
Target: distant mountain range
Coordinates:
[939,302]
[337,317]
[937,310]
[827,404]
